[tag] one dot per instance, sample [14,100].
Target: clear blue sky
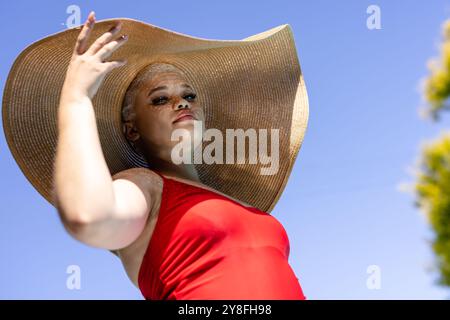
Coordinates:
[341,208]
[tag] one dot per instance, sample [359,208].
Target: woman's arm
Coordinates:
[90,204]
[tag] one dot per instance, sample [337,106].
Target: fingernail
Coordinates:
[91,18]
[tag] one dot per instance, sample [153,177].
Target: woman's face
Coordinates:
[159,102]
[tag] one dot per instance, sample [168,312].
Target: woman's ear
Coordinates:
[130,131]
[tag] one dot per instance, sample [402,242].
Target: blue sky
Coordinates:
[341,208]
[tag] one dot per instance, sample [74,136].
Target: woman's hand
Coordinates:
[87,70]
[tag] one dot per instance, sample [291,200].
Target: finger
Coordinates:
[80,46]
[104,39]
[114,64]
[106,51]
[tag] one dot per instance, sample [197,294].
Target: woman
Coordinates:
[177,237]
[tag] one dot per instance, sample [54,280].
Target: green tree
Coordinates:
[433,196]
[432,187]
[437,85]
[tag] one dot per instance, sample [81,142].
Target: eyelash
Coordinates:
[156,101]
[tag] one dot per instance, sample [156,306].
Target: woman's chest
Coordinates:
[218,223]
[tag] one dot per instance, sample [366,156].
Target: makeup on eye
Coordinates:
[161,100]
[191,96]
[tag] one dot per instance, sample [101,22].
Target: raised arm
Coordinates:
[93,208]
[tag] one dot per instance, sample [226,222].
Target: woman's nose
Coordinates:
[183,104]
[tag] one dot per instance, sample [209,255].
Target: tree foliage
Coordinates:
[437,85]
[433,195]
[433,183]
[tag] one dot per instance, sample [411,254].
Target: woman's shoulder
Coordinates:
[143,177]
[138,171]
[149,182]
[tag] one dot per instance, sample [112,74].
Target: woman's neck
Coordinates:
[169,169]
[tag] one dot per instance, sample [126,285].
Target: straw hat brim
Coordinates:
[255,83]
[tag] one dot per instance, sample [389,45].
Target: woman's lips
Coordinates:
[184,118]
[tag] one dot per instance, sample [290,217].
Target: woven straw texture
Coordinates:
[254,83]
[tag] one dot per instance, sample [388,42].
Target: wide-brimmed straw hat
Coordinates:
[254,83]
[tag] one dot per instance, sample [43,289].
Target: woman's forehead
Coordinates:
[170,77]
[166,79]
[167,75]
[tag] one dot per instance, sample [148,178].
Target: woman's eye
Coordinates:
[159,100]
[190,96]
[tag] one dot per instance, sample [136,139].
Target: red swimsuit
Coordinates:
[207,246]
